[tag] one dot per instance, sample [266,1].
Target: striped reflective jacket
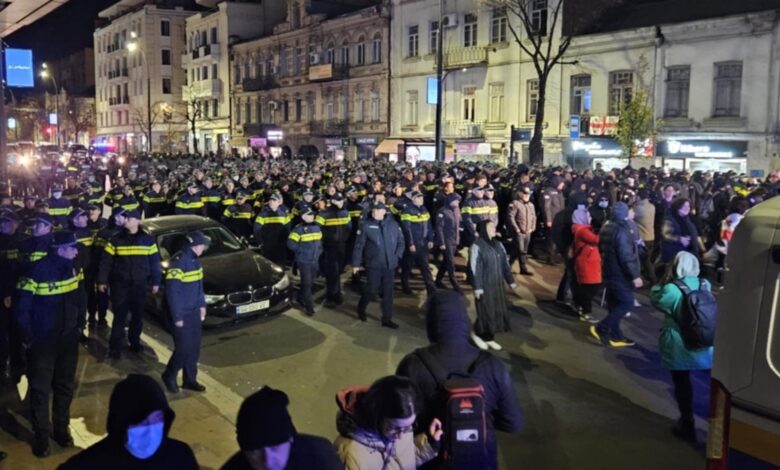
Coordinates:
[184,285]
[130,259]
[305,241]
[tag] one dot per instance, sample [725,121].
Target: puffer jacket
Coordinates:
[521,217]
[619,254]
[587,259]
[363,449]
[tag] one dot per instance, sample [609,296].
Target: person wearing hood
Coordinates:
[138,423]
[553,202]
[376,427]
[600,212]
[675,356]
[587,263]
[621,275]
[678,232]
[448,329]
[269,441]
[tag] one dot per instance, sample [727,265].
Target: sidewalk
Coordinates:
[205,421]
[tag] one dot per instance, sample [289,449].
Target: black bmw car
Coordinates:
[239,282]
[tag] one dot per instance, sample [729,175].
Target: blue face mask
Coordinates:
[56,194]
[603,204]
[144,440]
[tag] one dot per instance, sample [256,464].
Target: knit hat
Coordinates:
[620,211]
[263,420]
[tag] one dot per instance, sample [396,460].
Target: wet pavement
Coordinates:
[586,407]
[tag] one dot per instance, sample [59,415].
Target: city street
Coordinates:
[585,407]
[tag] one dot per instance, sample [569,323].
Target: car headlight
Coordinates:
[121,160]
[283,283]
[24,160]
[214,299]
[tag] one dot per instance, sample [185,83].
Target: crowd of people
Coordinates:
[66,256]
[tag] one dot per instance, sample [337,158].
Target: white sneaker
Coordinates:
[494,346]
[637,304]
[479,342]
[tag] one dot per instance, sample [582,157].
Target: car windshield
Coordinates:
[222,242]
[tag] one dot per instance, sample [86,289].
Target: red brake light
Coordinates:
[718,435]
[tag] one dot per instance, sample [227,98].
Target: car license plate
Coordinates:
[253,307]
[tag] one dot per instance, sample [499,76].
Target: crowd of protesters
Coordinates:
[611,231]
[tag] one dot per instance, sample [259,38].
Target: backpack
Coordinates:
[698,316]
[460,404]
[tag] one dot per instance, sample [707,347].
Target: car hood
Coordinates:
[232,272]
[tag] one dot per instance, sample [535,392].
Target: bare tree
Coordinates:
[80,113]
[141,118]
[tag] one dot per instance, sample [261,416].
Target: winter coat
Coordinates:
[644,216]
[364,449]
[521,217]
[448,328]
[448,222]
[379,243]
[553,203]
[587,259]
[490,266]
[130,259]
[305,241]
[619,255]
[184,285]
[416,225]
[307,453]
[673,228]
[668,298]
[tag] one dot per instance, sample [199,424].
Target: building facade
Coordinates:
[123,77]
[318,86]
[206,61]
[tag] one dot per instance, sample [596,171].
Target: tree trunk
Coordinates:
[535,148]
[194,137]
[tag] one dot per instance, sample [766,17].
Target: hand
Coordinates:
[355,271]
[179,324]
[102,288]
[435,430]
[549,224]
[155,289]
[638,283]
[686,241]
[442,248]
[7,302]
[202,313]
[412,249]
[477,294]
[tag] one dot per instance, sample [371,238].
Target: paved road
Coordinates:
[586,407]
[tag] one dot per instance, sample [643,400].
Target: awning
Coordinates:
[388,146]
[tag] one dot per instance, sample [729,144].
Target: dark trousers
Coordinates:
[646,259]
[378,279]
[583,296]
[683,393]
[447,266]
[52,368]
[565,285]
[186,352]
[11,352]
[332,267]
[417,259]
[520,251]
[620,300]
[127,300]
[308,273]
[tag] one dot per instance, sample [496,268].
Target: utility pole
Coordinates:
[439,81]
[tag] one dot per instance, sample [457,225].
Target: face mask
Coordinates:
[603,204]
[91,179]
[56,194]
[143,441]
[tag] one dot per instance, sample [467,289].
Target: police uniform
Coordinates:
[154,203]
[238,217]
[305,241]
[475,210]
[211,198]
[189,204]
[34,249]
[186,298]
[418,233]
[448,221]
[130,263]
[271,229]
[59,208]
[336,230]
[380,244]
[11,353]
[48,311]
[85,240]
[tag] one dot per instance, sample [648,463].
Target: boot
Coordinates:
[685,430]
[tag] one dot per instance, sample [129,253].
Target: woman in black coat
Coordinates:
[678,232]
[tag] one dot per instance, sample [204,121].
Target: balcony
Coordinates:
[465,57]
[203,89]
[259,83]
[209,50]
[112,74]
[117,100]
[464,129]
[328,72]
[328,128]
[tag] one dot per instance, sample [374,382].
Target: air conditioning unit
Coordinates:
[314,59]
[273,105]
[450,21]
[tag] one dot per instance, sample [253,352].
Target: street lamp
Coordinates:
[45,74]
[133,46]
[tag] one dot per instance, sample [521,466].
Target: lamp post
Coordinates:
[439,80]
[45,74]
[133,46]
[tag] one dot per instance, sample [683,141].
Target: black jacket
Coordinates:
[379,243]
[448,328]
[132,400]
[130,259]
[619,254]
[307,453]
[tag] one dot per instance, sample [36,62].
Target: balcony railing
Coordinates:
[260,83]
[117,100]
[117,73]
[465,57]
[464,129]
[203,89]
[329,128]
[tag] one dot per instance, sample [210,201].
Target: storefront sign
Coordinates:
[366,141]
[321,72]
[592,148]
[574,126]
[333,142]
[258,142]
[432,95]
[702,148]
[275,135]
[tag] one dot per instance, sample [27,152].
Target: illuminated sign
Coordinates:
[433,88]
[275,135]
[11,123]
[321,72]
[596,149]
[53,119]
[702,148]
[19,68]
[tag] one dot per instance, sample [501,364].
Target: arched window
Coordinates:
[344,55]
[329,53]
[376,49]
[360,51]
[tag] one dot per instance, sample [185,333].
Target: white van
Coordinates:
[744,430]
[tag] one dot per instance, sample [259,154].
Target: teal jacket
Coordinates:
[674,355]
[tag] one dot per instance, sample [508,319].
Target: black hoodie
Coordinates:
[448,327]
[132,400]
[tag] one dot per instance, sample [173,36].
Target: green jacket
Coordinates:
[674,355]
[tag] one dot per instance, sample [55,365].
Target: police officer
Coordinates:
[130,263]
[11,357]
[448,221]
[79,227]
[127,200]
[187,306]
[95,193]
[305,241]
[154,200]
[211,198]
[521,220]
[336,230]
[474,211]
[380,244]
[189,202]
[272,226]
[35,247]
[418,235]
[553,202]
[238,217]
[48,312]
[59,207]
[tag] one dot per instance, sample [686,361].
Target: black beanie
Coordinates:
[263,420]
